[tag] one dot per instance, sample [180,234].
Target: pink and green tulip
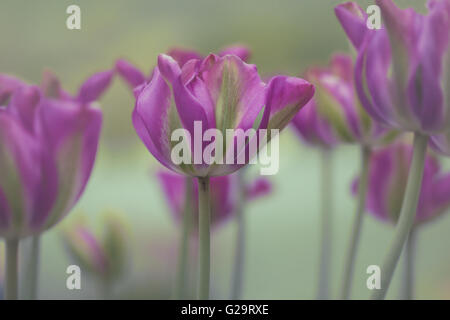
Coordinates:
[48,144]
[219,92]
[401,71]
[402,78]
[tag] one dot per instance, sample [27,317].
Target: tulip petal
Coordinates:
[24,104]
[241,51]
[313,128]
[189,107]
[71,133]
[132,75]
[425,85]
[20,174]
[236,90]
[154,119]
[258,188]
[174,189]
[8,85]
[94,86]
[183,55]
[285,97]
[441,143]
[353,20]
[51,87]
[440,200]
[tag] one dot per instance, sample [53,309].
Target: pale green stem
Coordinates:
[355,234]
[182,268]
[325,225]
[106,288]
[408,263]
[32,269]
[11,276]
[407,214]
[204,238]
[238,270]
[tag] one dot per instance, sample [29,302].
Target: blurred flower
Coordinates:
[134,77]
[218,93]
[401,74]
[223,195]
[48,144]
[103,256]
[388,174]
[337,105]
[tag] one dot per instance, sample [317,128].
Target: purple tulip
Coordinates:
[400,71]
[223,195]
[102,256]
[134,77]
[388,173]
[48,144]
[219,93]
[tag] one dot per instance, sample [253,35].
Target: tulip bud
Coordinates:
[104,256]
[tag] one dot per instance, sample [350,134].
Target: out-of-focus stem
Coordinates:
[408,272]
[182,268]
[11,276]
[204,238]
[325,225]
[407,214]
[32,270]
[238,270]
[347,278]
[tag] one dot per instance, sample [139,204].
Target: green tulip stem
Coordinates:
[11,276]
[238,269]
[204,238]
[355,234]
[32,269]
[183,256]
[408,263]
[326,223]
[34,276]
[407,215]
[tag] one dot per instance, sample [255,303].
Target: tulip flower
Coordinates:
[102,256]
[224,203]
[48,144]
[401,79]
[339,107]
[219,93]
[388,173]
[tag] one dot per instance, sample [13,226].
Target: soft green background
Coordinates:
[282,253]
